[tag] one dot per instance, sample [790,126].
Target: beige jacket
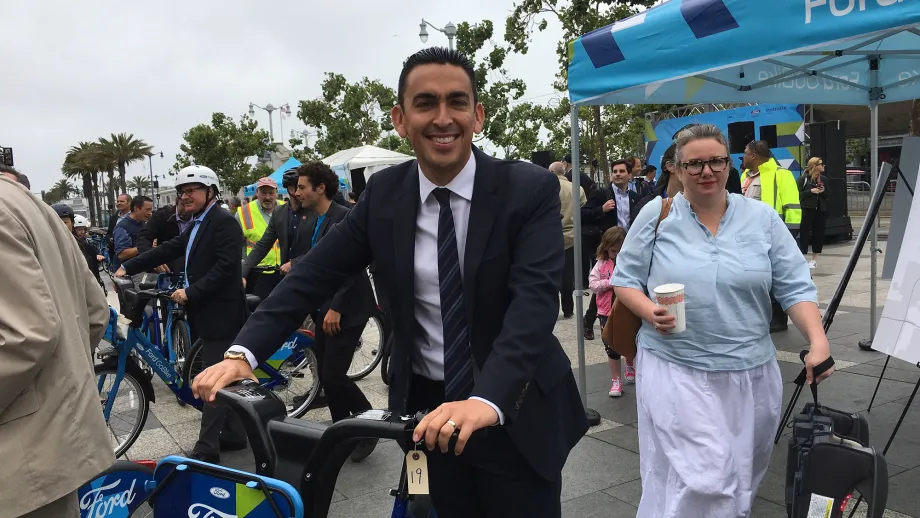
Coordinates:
[53,437]
[565,198]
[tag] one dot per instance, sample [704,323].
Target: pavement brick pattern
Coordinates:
[601,477]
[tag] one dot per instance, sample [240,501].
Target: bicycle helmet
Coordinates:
[80,222]
[289,179]
[197,174]
[63,210]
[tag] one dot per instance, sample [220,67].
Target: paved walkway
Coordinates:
[602,474]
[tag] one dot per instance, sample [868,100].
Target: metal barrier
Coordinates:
[859,196]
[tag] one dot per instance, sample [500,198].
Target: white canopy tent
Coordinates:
[370,158]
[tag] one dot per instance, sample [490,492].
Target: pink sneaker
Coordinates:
[616,389]
[630,373]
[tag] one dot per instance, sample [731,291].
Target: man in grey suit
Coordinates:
[52,316]
[291,225]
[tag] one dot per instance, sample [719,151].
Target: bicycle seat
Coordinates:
[305,454]
[252,302]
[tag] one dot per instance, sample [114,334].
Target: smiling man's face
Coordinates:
[439,117]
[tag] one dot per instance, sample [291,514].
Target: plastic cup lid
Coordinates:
[669,288]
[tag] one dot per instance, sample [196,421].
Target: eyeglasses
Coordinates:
[187,192]
[716,164]
[819,163]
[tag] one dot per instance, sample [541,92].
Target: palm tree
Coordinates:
[79,161]
[124,149]
[60,191]
[139,185]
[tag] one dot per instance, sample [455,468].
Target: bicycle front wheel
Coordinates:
[129,409]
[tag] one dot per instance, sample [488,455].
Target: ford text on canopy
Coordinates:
[854,52]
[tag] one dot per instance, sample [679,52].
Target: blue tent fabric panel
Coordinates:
[696,51]
[292,162]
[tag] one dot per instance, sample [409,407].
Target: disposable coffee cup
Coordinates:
[671,296]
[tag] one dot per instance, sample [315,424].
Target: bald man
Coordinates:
[568,236]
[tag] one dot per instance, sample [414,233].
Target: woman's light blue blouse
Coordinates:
[728,279]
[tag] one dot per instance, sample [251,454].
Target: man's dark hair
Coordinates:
[624,162]
[631,162]
[138,202]
[760,148]
[317,174]
[21,178]
[352,196]
[436,56]
[649,169]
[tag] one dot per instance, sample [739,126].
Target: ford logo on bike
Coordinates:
[220,492]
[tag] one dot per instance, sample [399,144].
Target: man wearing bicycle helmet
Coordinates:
[65,212]
[213,294]
[93,259]
[289,226]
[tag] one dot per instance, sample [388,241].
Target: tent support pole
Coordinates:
[594,418]
[874,94]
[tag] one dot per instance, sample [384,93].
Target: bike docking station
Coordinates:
[830,455]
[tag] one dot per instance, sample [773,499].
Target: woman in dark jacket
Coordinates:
[667,184]
[813,199]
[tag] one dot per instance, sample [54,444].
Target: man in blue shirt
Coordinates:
[127,229]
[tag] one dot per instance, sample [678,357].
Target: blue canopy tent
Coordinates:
[848,52]
[250,190]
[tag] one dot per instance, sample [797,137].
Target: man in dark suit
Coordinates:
[213,294]
[606,208]
[471,263]
[341,319]
[290,225]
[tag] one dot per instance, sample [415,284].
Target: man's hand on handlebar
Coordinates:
[162,269]
[216,377]
[120,272]
[179,296]
[286,268]
[466,416]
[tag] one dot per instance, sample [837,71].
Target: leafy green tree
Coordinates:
[60,191]
[79,163]
[227,147]
[124,149]
[140,185]
[348,115]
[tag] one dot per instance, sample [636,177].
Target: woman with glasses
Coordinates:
[813,199]
[709,397]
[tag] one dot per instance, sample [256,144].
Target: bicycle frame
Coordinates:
[135,341]
[268,373]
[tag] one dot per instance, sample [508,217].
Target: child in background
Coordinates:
[599,283]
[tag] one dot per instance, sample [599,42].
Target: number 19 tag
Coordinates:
[417,472]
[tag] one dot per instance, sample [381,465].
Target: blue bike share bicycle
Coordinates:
[126,369]
[297,464]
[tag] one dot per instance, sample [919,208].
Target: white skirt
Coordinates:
[705,438]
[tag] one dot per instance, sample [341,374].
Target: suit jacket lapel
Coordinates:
[483,210]
[405,217]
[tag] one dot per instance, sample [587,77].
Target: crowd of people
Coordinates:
[470,269]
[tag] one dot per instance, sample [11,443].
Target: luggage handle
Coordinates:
[819,369]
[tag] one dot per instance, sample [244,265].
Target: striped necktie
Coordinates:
[458,364]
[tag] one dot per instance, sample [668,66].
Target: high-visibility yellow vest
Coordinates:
[779,190]
[254,225]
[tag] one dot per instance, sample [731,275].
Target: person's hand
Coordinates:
[218,376]
[120,272]
[179,296]
[332,324]
[662,320]
[154,244]
[286,268]
[817,353]
[609,206]
[815,190]
[100,258]
[465,417]
[244,282]
[162,269]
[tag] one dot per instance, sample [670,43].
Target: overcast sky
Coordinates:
[75,71]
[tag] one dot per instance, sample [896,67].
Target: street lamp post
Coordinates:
[156,195]
[449,30]
[285,109]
